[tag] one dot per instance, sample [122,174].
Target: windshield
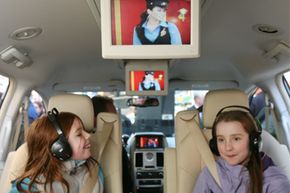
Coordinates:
[153,118]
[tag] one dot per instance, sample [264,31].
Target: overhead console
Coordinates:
[147,153]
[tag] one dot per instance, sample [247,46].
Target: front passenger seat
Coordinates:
[217,99]
[82,106]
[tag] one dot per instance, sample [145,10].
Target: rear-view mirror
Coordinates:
[143,102]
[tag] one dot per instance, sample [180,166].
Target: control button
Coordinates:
[149,156]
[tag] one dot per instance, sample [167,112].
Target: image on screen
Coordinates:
[129,27]
[149,142]
[146,80]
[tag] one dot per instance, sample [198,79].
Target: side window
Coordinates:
[36,106]
[4,84]
[261,107]
[32,108]
[189,100]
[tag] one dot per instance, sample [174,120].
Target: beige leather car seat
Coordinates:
[217,99]
[189,160]
[111,155]
[82,106]
[184,163]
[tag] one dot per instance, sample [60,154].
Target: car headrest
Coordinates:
[80,105]
[217,99]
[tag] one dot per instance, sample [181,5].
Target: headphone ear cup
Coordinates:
[61,149]
[213,146]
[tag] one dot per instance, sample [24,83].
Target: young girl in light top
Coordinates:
[52,168]
[241,167]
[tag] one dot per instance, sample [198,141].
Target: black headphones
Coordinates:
[254,137]
[60,148]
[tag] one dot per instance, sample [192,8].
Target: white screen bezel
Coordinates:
[149,51]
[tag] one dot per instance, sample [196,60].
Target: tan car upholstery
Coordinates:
[181,172]
[82,106]
[189,163]
[111,159]
[188,158]
[217,99]
[4,182]
[278,152]
[170,176]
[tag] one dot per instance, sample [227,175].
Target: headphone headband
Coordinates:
[247,110]
[60,148]
[52,116]
[233,106]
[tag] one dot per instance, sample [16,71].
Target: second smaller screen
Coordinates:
[147,80]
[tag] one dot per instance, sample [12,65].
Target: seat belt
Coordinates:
[271,113]
[105,135]
[203,147]
[91,181]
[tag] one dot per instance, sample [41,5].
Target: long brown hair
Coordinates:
[254,164]
[41,162]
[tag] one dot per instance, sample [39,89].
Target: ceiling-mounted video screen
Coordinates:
[155,29]
[146,77]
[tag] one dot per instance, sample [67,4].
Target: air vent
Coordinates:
[160,159]
[138,159]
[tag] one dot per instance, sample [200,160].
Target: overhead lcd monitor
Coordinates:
[146,77]
[150,29]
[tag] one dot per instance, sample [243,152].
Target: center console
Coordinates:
[148,162]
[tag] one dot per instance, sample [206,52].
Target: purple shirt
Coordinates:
[235,179]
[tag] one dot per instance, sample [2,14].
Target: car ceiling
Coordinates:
[68,51]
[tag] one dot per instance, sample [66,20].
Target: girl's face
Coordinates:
[79,141]
[232,142]
[157,13]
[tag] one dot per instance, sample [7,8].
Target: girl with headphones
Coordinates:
[59,156]
[240,165]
